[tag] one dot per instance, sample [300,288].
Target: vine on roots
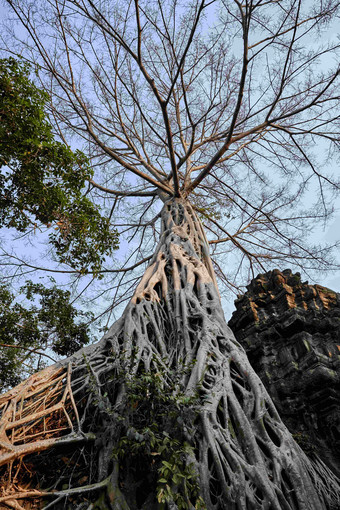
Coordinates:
[157,424]
[165,413]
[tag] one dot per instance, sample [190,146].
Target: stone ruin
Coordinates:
[291,332]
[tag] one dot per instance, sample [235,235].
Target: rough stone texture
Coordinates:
[291,333]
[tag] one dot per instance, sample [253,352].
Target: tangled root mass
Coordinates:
[59,429]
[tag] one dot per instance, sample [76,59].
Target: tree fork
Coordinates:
[59,429]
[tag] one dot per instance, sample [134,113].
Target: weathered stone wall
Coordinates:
[291,332]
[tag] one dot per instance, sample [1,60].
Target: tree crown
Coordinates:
[221,102]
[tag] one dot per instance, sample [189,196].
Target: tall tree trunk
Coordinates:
[164,412]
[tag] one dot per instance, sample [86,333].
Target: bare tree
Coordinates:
[218,110]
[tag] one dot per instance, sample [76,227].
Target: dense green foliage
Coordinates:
[152,435]
[42,180]
[43,186]
[46,323]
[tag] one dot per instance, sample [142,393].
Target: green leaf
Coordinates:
[44,319]
[42,181]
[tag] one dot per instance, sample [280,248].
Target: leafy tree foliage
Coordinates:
[42,180]
[208,106]
[42,184]
[49,322]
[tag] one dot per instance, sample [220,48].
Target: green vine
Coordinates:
[158,420]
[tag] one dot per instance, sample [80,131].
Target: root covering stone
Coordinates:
[242,455]
[291,333]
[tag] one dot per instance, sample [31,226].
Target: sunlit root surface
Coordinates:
[59,428]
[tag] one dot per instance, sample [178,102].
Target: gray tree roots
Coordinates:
[243,455]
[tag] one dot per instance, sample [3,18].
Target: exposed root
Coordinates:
[244,456]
